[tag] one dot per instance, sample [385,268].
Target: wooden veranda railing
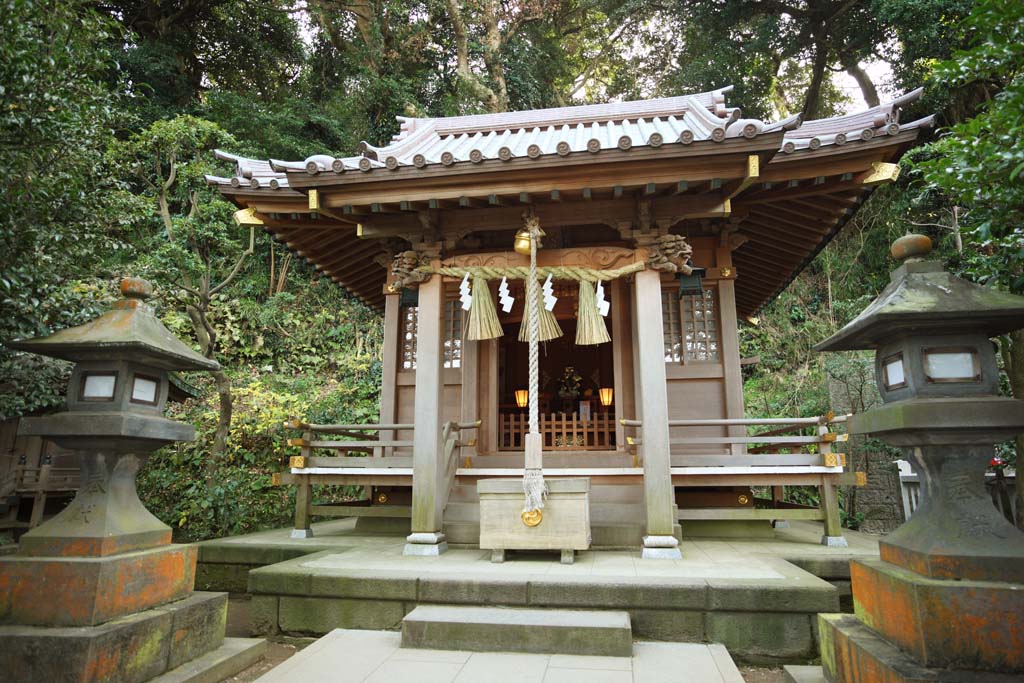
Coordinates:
[763,452]
[372,467]
[560,431]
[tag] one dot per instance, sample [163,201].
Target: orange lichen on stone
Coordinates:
[942,623]
[89,591]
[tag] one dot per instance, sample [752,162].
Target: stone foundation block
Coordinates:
[130,649]
[471,591]
[320,615]
[86,591]
[233,578]
[263,615]
[381,585]
[618,593]
[942,623]
[763,637]
[668,625]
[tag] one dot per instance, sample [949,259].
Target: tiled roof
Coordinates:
[862,125]
[425,143]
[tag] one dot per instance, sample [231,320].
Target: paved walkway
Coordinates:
[348,656]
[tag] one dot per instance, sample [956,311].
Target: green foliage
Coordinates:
[54,221]
[979,164]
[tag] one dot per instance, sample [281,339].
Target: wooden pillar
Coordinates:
[732,377]
[389,368]
[660,542]
[427,537]
[618,346]
[470,390]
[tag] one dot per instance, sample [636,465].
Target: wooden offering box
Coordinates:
[565,524]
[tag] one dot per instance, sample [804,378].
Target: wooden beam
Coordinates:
[598,211]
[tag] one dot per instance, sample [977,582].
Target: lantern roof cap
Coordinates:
[923,298]
[128,332]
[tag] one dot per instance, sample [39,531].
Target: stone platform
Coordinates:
[750,595]
[353,656]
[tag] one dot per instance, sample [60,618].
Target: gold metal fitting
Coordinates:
[726,272]
[532,518]
[522,242]
[742,499]
[382,497]
[862,478]
[830,460]
[298,461]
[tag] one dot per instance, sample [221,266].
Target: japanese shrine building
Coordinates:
[754,201]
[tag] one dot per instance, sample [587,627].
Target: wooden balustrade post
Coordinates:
[660,541]
[829,500]
[303,495]
[427,451]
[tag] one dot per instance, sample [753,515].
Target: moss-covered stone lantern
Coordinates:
[100,592]
[936,369]
[114,418]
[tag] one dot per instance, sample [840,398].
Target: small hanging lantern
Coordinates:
[522,397]
[410,297]
[606,394]
[692,284]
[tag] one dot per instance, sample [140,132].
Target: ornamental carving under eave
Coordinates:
[670,253]
[404,271]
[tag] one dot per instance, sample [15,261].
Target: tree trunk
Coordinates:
[498,102]
[468,80]
[220,437]
[820,65]
[867,88]
[204,336]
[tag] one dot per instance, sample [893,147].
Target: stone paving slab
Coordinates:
[351,656]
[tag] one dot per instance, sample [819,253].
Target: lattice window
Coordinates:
[452,331]
[407,337]
[700,327]
[672,326]
[690,327]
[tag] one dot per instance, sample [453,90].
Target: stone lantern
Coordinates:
[105,565]
[948,591]
[114,418]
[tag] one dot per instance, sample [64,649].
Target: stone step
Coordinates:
[234,656]
[506,629]
[803,674]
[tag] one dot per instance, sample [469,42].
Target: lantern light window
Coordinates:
[895,376]
[98,386]
[144,390]
[959,364]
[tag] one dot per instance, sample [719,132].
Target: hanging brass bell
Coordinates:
[522,243]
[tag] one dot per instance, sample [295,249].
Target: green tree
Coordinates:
[187,239]
[55,118]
